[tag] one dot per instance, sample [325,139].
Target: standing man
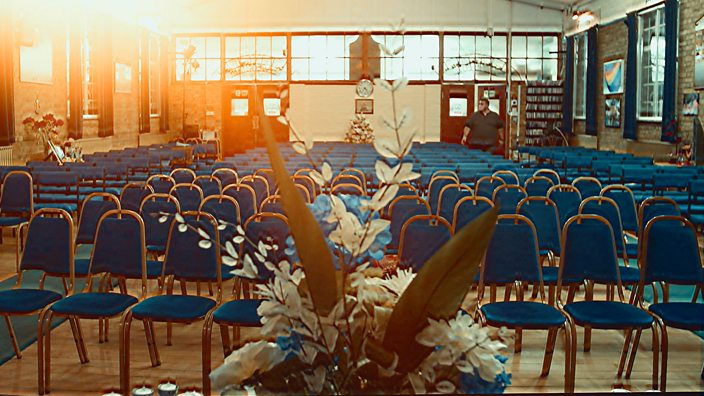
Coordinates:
[484,130]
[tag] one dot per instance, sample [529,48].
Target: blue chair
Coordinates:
[347,188]
[508,176]
[512,259]
[670,256]
[350,178]
[118,253]
[307,183]
[550,174]
[271,229]
[157,232]
[132,195]
[588,186]
[268,175]
[183,175]
[161,184]
[94,206]
[656,206]
[246,197]
[260,186]
[186,261]
[567,198]
[189,196]
[421,237]
[695,202]
[49,250]
[485,186]
[589,257]
[16,206]
[226,210]
[538,186]
[226,176]
[435,187]
[445,172]
[400,210]
[272,204]
[210,185]
[623,196]
[507,197]
[448,198]
[468,209]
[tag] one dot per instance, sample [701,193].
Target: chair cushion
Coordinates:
[26,300]
[12,221]
[156,248]
[80,266]
[94,304]
[226,272]
[240,312]
[608,314]
[174,307]
[629,275]
[71,208]
[550,275]
[682,315]
[524,314]
[632,250]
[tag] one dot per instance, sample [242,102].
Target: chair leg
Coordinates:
[656,353]
[587,338]
[663,348]
[225,335]
[624,352]
[47,351]
[571,346]
[634,350]
[11,332]
[151,343]
[40,351]
[41,281]
[206,352]
[551,295]
[124,340]
[518,342]
[549,349]
[77,339]
[169,331]
[210,289]
[106,329]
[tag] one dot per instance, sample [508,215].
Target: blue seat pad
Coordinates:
[12,221]
[629,274]
[524,314]
[26,300]
[608,315]
[94,304]
[173,308]
[153,268]
[550,275]
[241,312]
[681,315]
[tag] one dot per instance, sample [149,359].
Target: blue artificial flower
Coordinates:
[474,384]
[291,344]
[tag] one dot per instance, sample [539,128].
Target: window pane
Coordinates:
[550,69]
[212,47]
[431,46]
[535,47]
[451,46]
[336,68]
[518,46]
[549,47]
[263,69]
[232,47]
[263,47]
[483,46]
[450,69]
[467,46]
[278,46]
[198,73]
[247,47]
[212,68]
[299,46]
[519,66]
[299,69]
[498,47]
[535,69]
[336,46]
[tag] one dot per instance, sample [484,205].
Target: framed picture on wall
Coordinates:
[123,78]
[613,77]
[690,105]
[36,61]
[612,113]
[364,106]
[699,54]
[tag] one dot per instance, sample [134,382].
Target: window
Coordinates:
[154,77]
[471,57]
[255,58]
[534,57]
[198,58]
[580,75]
[419,60]
[90,89]
[651,63]
[321,57]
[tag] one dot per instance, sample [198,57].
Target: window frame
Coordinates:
[88,55]
[580,79]
[155,62]
[659,11]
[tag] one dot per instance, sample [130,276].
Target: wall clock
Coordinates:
[365,88]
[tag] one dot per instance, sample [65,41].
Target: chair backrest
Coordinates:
[271,229]
[656,206]
[421,237]
[608,209]
[226,176]
[348,188]
[153,205]
[588,186]
[445,172]
[544,216]
[485,186]
[272,204]
[246,197]
[161,184]
[567,198]
[436,185]
[120,248]
[670,252]
[623,196]
[268,175]
[510,177]
[550,174]
[188,256]
[16,195]
[183,175]
[448,198]
[92,209]
[588,253]
[308,183]
[189,196]
[132,195]
[468,209]
[259,184]
[507,198]
[210,185]
[538,186]
[512,254]
[401,209]
[49,244]
[406,189]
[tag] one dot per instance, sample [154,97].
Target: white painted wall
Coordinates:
[324,111]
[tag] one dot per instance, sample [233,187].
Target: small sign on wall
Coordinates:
[364,106]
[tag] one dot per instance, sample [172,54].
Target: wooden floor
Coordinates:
[596,370]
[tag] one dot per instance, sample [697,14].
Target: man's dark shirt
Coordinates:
[484,129]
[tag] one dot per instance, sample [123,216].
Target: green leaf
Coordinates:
[310,243]
[438,290]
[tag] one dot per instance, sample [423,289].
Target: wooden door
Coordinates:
[497,96]
[241,119]
[457,104]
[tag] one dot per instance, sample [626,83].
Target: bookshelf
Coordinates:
[543,110]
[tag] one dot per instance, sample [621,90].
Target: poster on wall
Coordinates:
[690,105]
[123,78]
[699,55]
[613,77]
[612,113]
[36,62]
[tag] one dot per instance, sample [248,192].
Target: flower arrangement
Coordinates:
[334,323]
[360,130]
[46,127]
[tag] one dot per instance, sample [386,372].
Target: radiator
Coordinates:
[6,156]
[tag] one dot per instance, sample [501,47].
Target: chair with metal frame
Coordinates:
[246,197]
[16,206]
[485,186]
[189,196]
[624,198]
[421,236]
[348,188]
[567,198]
[538,186]
[400,210]
[588,186]
[445,172]
[550,174]
[93,207]
[468,209]
[435,187]
[132,195]
[226,176]
[507,197]
[183,175]
[448,197]
[656,206]
[508,176]
[272,204]
[260,185]
[210,185]
[156,231]
[161,184]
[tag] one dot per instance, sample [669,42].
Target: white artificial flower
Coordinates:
[383,83]
[282,120]
[182,228]
[381,198]
[445,386]
[316,380]
[399,282]
[248,270]
[299,147]
[401,173]
[205,244]
[399,83]
[260,356]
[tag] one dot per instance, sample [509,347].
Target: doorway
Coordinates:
[456,106]
[241,120]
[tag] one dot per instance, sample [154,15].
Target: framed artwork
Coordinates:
[613,77]
[364,106]
[690,105]
[612,113]
[123,78]
[699,54]
[36,62]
